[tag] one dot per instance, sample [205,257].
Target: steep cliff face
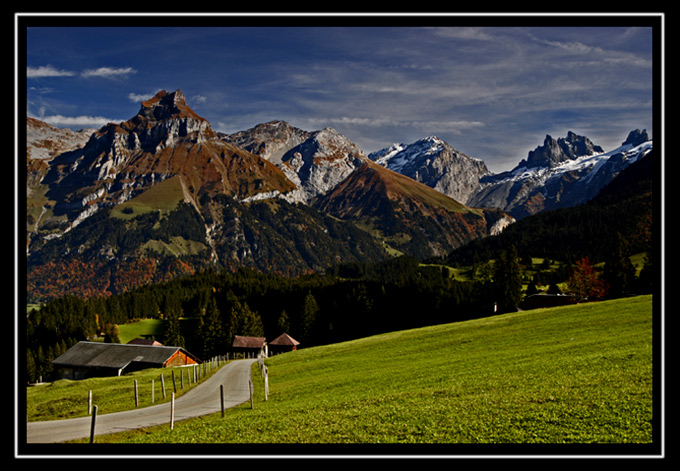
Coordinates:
[165,139]
[319,163]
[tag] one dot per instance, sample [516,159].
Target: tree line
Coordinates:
[205,311]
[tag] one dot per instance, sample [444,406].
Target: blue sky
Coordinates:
[491,92]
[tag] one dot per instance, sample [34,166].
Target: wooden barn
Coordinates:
[283,343]
[88,359]
[249,346]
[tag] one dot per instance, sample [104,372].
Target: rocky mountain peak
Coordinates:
[164,117]
[268,140]
[167,105]
[636,137]
[320,162]
[554,152]
[436,163]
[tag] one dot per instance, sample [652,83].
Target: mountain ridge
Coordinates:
[274,198]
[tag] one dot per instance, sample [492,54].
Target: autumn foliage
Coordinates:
[585,281]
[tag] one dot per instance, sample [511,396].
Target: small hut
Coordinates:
[249,346]
[283,343]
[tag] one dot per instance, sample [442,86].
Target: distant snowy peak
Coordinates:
[530,189]
[398,156]
[435,163]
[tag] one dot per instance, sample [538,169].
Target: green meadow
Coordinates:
[580,374]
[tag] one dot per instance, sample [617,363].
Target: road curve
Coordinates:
[201,400]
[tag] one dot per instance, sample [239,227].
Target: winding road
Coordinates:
[201,400]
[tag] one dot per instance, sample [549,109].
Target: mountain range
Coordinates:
[163,194]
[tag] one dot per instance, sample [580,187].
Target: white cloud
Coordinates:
[77,121]
[108,72]
[139,97]
[47,71]
[104,72]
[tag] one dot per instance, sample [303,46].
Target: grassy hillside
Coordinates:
[571,375]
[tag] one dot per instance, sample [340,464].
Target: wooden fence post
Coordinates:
[222,398]
[136,395]
[163,385]
[153,390]
[172,412]
[92,425]
[266,383]
[250,387]
[89,402]
[174,383]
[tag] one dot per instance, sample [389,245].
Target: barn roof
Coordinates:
[115,355]
[284,340]
[248,342]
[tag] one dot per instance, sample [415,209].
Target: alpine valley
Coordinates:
[163,195]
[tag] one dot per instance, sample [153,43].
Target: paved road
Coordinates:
[201,400]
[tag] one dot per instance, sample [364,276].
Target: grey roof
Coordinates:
[114,355]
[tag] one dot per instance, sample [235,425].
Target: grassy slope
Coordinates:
[163,196]
[575,374]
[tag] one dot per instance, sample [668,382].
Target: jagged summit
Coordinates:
[636,137]
[167,105]
[554,152]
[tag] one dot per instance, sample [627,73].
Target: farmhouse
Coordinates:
[87,359]
[251,346]
[283,343]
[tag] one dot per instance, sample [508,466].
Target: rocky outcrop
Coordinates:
[319,163]
[554,152]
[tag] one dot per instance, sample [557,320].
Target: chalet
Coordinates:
[88,359]
[250,346]
[283,343]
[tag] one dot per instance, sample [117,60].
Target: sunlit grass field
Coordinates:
[579,374]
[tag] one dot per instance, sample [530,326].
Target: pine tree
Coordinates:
[173,332]
[211,331]
[508,280]
[283,323]
[310,310]
[619,271]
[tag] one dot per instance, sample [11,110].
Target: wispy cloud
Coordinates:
[139,97]
[48,71]
[108,72]
[45,71]
[77,121]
